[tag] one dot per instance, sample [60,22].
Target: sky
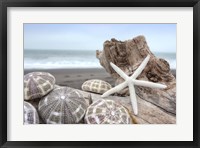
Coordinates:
[160,37]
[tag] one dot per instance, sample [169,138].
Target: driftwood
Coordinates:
[128,55]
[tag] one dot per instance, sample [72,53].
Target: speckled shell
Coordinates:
[30,114]
[96,86]
[63,105]
[37,85]
[107,112]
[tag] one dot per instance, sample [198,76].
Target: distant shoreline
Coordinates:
[75,77]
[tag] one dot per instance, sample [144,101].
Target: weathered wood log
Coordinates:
[128,55]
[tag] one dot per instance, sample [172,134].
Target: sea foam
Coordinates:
[59,59]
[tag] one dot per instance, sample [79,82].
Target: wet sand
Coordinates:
[76,77]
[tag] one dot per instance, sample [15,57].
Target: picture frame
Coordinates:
[89,3]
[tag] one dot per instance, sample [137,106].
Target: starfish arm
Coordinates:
[119,71]
[141,67]
[133,98]
[149,84]
[114,89]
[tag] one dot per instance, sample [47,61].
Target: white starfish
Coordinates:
[131,81]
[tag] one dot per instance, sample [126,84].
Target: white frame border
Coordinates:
[182,131]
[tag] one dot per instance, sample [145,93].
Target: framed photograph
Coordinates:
[105,73]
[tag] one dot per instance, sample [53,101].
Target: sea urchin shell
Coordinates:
[96,86]
[107,112]
[30,114]
[62,106]
[37,84]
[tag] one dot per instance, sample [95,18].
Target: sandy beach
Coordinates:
[76,77]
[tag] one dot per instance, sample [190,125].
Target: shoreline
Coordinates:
[75,77]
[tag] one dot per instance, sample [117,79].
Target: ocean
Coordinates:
[58,59]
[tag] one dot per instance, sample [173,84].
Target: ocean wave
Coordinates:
[74,64]
[55,59]
[60,65]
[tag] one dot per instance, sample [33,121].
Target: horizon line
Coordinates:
[94,49]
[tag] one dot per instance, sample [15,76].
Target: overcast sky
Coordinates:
[160,37]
